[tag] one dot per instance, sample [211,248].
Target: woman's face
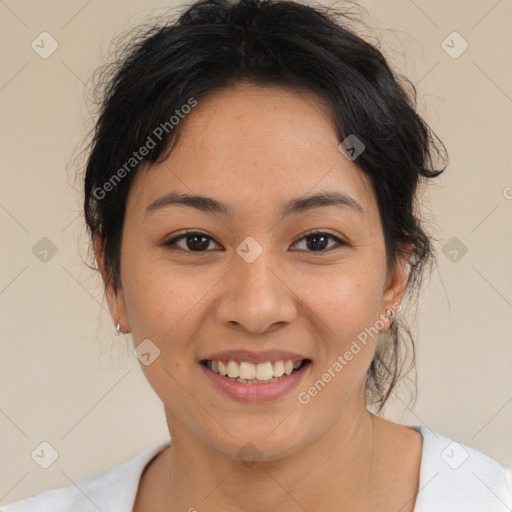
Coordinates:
[252,280]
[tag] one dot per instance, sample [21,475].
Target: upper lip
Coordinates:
[254,357]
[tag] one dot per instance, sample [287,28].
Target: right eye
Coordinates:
[195,241]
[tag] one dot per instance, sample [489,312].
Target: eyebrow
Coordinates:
[293,206]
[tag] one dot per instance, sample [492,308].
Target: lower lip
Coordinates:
[256,392]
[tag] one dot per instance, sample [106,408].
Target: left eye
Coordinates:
[320,240]
[195,241]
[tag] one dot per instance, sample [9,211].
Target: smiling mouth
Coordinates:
[261,373]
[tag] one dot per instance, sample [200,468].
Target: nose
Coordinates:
[256,297]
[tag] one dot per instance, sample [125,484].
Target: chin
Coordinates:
[252,441]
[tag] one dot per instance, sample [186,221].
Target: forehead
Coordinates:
[255,144]
[246,115]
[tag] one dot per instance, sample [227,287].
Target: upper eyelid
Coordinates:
[173,240]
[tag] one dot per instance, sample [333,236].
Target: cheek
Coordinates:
[347,300]
[346,306]
[166,307]
[346,309]
[166,303]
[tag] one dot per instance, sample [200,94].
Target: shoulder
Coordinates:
[456,477]
[113,489]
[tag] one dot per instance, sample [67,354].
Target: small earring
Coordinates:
[119,331]
[390,313]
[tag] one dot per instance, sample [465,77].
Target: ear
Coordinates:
[115,296]
[397,282]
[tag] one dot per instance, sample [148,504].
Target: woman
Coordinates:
[250,195]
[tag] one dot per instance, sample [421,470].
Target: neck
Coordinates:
[197,476]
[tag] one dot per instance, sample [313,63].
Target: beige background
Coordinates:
[65,380]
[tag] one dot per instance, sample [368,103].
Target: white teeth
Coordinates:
[278,369]
[222,368]
[264,371]
[254,372]
[233,370]
[247,371]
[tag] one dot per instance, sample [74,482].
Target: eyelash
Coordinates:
[173,241]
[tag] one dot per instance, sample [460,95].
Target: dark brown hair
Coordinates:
[216,43]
